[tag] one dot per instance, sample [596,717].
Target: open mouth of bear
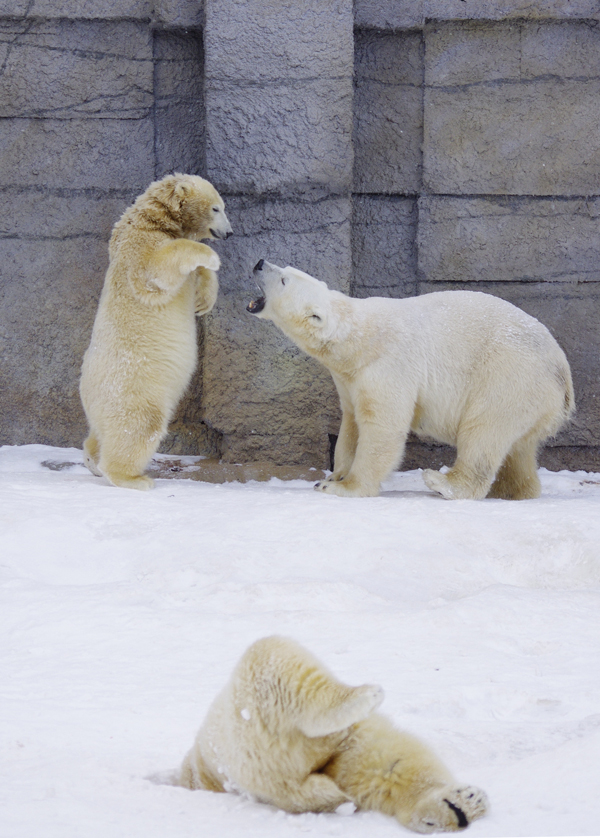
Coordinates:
[256,305]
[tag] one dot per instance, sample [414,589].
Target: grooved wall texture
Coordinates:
[390,147]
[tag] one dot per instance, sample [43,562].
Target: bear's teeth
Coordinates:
[256,305]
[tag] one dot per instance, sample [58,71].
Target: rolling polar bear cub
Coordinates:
[143,349]
[290,734]
[466,368]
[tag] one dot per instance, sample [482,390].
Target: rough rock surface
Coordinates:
[390,147]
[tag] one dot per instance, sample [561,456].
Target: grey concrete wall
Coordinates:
[390,147]
[506,195]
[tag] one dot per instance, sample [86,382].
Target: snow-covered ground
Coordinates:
[122,614]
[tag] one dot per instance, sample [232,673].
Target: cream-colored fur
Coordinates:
[465,368]
[290,734]
[274,726]
[382,768]
[143,348]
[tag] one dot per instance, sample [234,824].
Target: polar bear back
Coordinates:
[451,350]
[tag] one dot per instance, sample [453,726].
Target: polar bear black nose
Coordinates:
[259,265]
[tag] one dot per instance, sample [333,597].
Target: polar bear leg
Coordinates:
[387,770]
[462,482]
[334,707]
[345,447]
[479,454]
[318,793]
[196,774]
[448,809]
[517,478]
[379,450]
[126,453]
[91,453]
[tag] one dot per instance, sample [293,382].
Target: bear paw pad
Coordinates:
[449,810]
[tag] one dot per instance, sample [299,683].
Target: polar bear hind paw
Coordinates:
[449,810]
[438,483]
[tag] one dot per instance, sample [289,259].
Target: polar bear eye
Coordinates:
[283,280]
[216,209]
[315,317]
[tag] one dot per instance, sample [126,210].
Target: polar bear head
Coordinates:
[185,205]
[303,307]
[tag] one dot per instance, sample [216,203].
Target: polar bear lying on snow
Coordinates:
[466,368]
[143,349]
[290,734]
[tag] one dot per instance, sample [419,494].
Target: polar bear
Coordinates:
[143,349]
[466,368]
[285,731]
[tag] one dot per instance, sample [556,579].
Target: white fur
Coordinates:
[143,349]
[287,732]
[465,368]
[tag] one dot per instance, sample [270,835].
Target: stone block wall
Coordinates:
[390,147]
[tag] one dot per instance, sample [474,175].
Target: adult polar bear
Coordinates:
[143,349]
[465,368]
[286,731]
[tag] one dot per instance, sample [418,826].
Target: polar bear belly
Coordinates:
[175,343]
[437,418]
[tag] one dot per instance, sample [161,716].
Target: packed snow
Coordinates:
[123,613]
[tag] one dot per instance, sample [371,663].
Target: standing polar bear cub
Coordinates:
[466,368]
[143,348]
[290,734]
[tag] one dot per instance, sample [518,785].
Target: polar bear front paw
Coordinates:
[214,262]
[449,810]
[345,488]
[207,291]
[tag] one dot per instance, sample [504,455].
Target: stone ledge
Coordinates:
[412,14]
[418,455]
[215,471]
[553,457]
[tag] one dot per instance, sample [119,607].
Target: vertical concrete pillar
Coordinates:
[278,93]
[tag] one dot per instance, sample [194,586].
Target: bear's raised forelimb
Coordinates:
[338,707]
[207,290]
[168,267]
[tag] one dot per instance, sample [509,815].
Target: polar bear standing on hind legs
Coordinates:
[143,350]
[465,368]
[290,734]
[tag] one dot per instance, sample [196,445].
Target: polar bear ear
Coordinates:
[181,192]
[172,192]
[316,315]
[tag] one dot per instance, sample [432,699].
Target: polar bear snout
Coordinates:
[220,234]
[256,306]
